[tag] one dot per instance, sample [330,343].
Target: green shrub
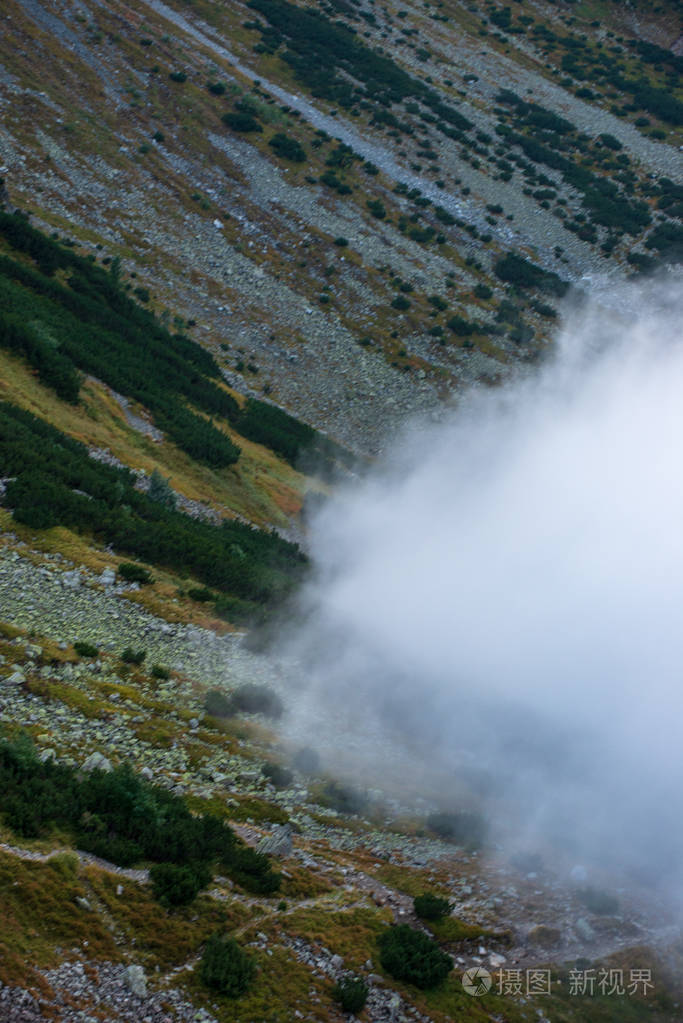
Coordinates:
[159,671]
[279,776]
[178,76]
[252,871]
[241,122]
[252,698]
[598,902]
[463,827]
[411,956]
[341,242]
[287,147]
[217,704]
[430,907]
[667,239]
[175,885]
[461,326]
[610,141]
[401,303]
[225,967]
[122,818]
[342,798]
[351,993]
[201,593]
[84,649]
[131,656]
[443,215]
[232,609]
[217,88]
[160,490]
[134,573]
[483,291]
[376,208]
[517,270]
[330,179]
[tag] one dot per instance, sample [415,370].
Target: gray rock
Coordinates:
[279,843]
[15,679]
[71,580]
[578,874]
[336,962]
[108,577]
[584,929]
[83,903]
[96,762]
[135,979]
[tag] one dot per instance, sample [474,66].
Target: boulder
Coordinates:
[96,762]
[108,577]
[584,929]
[279,843]
[71,580]
[15,679]
[135,980]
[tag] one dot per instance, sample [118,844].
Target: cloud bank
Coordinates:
[502,597]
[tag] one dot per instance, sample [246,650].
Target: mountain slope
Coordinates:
[125,143]
[252,240]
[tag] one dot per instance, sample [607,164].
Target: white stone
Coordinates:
[135,979]
[96,762]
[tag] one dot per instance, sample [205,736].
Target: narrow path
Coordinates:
[85,858]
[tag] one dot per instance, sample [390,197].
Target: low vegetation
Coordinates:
[122,818]
[431,907]
[412,956]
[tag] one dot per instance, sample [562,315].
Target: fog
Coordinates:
[501,598]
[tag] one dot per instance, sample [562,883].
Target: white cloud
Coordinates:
[509,586]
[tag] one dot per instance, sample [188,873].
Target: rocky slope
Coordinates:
[121,144]
[331,214]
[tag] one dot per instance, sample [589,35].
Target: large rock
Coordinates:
[135,979]
[15,679]
[279,843]
[584,929]
[108,577]
[96,762]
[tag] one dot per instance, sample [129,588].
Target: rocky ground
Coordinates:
[244,246]
[95,711]
[119,145]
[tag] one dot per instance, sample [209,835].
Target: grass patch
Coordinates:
[280,983]
[162,939]
[40,915]
[351,934]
